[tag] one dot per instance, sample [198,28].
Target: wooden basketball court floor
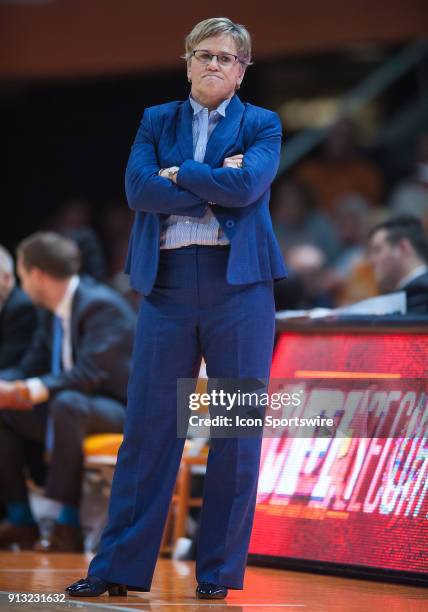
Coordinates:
[174,584]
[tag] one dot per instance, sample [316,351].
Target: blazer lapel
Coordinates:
[184,134]
[225,133]
[75,317]
[223,137]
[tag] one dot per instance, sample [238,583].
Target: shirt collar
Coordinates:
[221,108]
[63,309]
[414,274]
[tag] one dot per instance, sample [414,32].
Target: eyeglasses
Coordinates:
[223,59]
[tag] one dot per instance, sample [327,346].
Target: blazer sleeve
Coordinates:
[19,323]
[36,359]
[237,187]
[148,192]
[101,345]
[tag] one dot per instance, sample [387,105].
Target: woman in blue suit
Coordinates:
[204,255]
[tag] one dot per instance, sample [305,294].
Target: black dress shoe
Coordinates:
[209,590]
[92,586]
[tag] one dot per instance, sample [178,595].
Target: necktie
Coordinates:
[56,367]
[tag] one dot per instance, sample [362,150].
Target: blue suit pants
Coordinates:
[191,313]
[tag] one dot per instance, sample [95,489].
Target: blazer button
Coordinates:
[230,223]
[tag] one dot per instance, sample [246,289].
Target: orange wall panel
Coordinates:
[88,37]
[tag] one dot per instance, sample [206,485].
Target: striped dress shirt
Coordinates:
[177,230]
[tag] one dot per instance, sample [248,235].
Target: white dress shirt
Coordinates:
[179,230]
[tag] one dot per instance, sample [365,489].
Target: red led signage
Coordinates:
[352,501]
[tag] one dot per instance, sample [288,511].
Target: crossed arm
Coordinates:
[196,183]
[149,192]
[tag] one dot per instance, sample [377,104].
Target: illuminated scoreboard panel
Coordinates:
[359,502]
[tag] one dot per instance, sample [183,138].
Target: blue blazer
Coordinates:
[239,198]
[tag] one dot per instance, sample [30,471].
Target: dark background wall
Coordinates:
[71,138]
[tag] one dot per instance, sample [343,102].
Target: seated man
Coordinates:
[17,315]
[18,318]
[398,252]
[71,382]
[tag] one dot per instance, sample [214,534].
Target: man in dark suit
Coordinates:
[70,383]
[17,318]
[17,315]
[417,293]
[398,252]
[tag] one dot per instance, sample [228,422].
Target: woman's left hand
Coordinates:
[235,161]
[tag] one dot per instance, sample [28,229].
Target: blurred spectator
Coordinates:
[71,383]
[296,219]
[398,252]
[354,274]
[17,318]
[17,315]
[116,228]
[360,284]
[351,219]
[92,257]
[341,169]
[308,263]
[411,196]
[74,220]
[74,213]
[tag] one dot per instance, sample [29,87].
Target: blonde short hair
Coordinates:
[216,26]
